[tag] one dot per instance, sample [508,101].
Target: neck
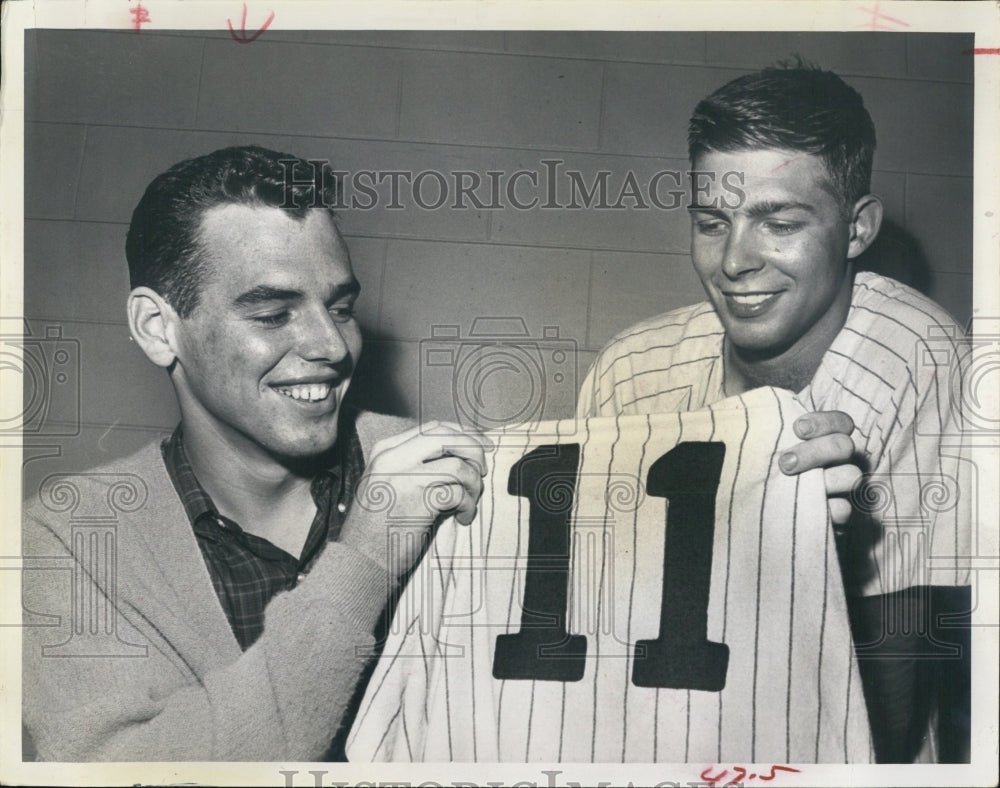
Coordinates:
[247,484]
[745,373]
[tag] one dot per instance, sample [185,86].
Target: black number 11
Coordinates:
[681,657]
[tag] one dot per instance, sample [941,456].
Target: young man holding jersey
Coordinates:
[787,308]
[252,548]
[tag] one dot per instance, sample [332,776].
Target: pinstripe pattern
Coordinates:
[778,704]
[891,369]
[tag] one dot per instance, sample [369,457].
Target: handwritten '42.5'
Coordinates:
[739,774]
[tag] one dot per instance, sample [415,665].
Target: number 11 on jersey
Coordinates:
[681,657]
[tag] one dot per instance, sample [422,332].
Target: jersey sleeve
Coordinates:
[898,368]
[586,405]
[390,725]
[921,491]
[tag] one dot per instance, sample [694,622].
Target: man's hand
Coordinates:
[411,481]
[826,444]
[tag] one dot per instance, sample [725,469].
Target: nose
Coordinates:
[740,255]
[324,339]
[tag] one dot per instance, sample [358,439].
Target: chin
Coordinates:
[757,345]
[308,446]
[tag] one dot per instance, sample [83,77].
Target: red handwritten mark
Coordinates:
[740,772]
[778,768]
[982,51]
[877,15]
[140,17]
[710,779]
[785,163]
[243,28]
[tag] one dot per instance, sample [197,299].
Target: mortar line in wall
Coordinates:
[399,103]
[381,340]
[78,321]
[602,106]
[79,171]
[504,52]
[590,299]
[477,242]
[906,189]
[201,78]
[74,220]
[381,284]
[425,239]
[544,149]
[470,242]
[489,214]
[511,245]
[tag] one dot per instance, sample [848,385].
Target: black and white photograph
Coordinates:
[550,394]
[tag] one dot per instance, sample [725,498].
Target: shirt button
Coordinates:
[341,507]
[301,577]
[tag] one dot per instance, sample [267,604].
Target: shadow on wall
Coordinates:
[372,387]
[898,255]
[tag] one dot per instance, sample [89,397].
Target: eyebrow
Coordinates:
[768,207]
[757,210]
[262,294]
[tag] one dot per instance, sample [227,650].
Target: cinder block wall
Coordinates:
[108,110]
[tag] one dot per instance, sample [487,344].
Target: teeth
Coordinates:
[751,300]
[310,392]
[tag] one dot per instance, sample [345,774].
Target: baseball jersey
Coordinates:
[896,368]
[633,589]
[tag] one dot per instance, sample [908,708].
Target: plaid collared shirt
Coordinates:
[247,570]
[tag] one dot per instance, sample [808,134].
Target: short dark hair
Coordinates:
[163,247]
[799,107]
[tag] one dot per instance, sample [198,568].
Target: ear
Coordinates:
[152,323]
[866,219]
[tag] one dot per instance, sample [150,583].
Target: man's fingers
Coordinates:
[840,483]
[442,431]
[454,497]
[411,449]
[840,511]
[457,471]
[841,480]
[469,452]
[823,422]
[466,512]
[822,452]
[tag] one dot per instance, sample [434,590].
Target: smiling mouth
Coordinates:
[306,392]
[750,304]
[751,299]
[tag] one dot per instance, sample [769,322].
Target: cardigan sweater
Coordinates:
[128,654]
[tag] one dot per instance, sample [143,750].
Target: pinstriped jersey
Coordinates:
[895,368]
[633,589]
